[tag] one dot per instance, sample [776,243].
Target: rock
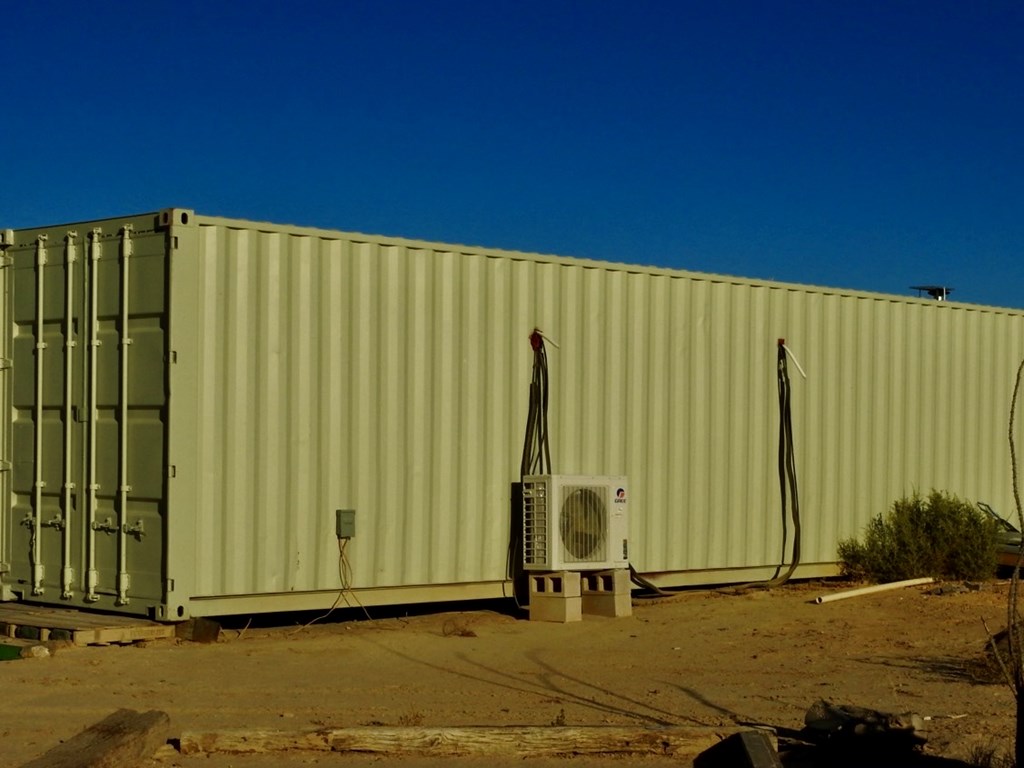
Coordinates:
[865,728]
[35,652]
[948,589]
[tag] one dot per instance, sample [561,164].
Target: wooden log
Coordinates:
[121,740]
[511,741]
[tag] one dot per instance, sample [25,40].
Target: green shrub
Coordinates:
[940,536]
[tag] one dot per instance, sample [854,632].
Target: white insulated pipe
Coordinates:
[831,598]
[793,358]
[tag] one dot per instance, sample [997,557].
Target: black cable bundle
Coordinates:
[787,467]
[536,450]
[536,461]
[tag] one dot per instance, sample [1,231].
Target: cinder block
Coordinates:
[556,608]
[562,583]
[613,606]
[555,597]
[607,593]
[614,581]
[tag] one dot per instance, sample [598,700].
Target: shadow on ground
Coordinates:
[980,669]
[824,757]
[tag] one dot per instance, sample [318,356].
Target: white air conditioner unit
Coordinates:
[575,523]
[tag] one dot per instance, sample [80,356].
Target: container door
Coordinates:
[89,404]
[6,329]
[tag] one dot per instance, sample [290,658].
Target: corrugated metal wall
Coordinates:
[391,377]
[339,374]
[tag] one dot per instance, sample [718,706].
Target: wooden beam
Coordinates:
[539,741]
[121,740]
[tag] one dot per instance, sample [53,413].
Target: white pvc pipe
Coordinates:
[871,590]
[793,357]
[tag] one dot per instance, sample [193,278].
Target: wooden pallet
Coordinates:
[78,627]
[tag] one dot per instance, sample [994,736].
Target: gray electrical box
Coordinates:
[345,523]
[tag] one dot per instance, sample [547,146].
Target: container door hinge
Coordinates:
[124,581]
[169,585]
[6,238]
[92,580]
[67,581]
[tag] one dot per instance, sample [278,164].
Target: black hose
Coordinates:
[787,482]
[536,457]
[787,470]
[640,581]
[536,447]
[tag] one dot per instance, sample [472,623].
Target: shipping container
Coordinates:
[191,399]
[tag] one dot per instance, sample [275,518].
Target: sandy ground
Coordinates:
[699,657]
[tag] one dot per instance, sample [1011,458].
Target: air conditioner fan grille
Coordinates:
[583,522]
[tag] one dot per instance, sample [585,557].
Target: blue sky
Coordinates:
[865,145]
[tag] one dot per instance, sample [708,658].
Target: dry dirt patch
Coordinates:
[701,657]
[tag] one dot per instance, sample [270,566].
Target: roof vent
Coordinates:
[937,292]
